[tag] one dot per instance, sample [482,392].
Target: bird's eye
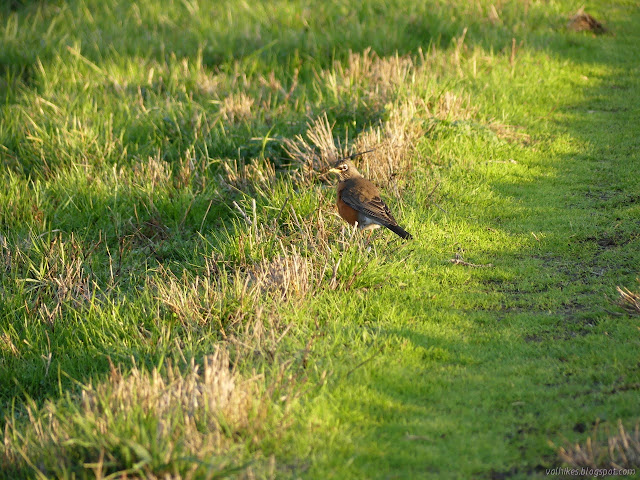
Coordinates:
[344,167]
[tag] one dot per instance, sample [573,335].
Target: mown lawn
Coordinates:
[180,298]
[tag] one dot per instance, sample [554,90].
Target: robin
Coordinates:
[359,201]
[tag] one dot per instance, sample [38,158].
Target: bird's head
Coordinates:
[345,169]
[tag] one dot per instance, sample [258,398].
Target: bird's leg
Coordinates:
[368,239]
[367,243]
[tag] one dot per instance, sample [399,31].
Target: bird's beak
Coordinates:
[333,170]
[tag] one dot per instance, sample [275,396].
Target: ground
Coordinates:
[180,297]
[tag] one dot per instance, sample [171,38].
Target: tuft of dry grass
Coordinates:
[629,301]
[253,177]
[237,107]
[53,274]
[6,254]
[7,347]
[364,78]
[219,295]
[151,174]
[280,261]
[395,143]
[510,133]
[367,77]
[452,106]
[583,22]
[618,449]
[373,81]
[339,255]
[178,422]
[288,275]
[314,151]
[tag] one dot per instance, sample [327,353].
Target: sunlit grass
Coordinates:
[180,297]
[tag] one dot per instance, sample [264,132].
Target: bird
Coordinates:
[359,200]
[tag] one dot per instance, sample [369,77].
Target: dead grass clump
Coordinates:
[293,256]
[207,83]
[314,151]
[340,253]
[510,133]
[583,22]
[236,107]
[289,275]
[6,254]
[152,173]
[368,77]
[451,106]
[192,169]
[629,301]
[229,294]
[54,275]
[364,77]
[395,144]
[274,97]
[283,274]
[220,295]
[618,449]
[253,177]
[7,347]
[214,396]
[176,422]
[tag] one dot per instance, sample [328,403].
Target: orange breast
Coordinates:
[346,212]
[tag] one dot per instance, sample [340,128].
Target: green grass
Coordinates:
[180,298]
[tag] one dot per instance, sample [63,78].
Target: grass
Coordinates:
[619,452]
[180,298]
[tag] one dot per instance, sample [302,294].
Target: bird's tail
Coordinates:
[398,230]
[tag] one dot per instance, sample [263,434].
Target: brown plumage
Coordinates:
[359,201]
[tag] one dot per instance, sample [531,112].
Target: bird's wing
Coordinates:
[364,198]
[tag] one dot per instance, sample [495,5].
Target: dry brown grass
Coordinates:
[314,151]
[375,81]
[284,260]
[289,275]
[510,133]
[256,176]
[237,107]
[151,173]
[583,22]
[366,77]
[393,142]
[178,422]
[338,252]
[605,449]
[53,274]
[212,394]
[7,347]
[219,295]
[6,254]
[452,106]
[363,78]
[629,301]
